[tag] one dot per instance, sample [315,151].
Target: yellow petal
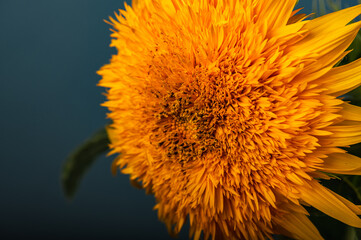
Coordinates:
[334,20]
[351,129]
[351,112]
[297,225]
[277,12]
[339,131]
[111,133]
[341,80]
[342,163]
[115,166]
[327,202]
[343,141]
[355,208]
[330,46]
[328,37]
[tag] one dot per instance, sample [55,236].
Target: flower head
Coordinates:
[228,112]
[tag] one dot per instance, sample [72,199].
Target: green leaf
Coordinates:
[354,182]
[81,159]
[334,5]
[351,233]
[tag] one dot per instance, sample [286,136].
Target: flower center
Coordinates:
[184,130]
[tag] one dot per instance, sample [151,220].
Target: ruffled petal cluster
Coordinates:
[229,112]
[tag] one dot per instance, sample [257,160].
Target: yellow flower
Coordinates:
[228,111]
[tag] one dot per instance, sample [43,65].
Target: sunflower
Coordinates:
[229,112]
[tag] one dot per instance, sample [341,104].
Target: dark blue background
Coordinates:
[49,53]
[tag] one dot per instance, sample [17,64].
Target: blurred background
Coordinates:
[49,54]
